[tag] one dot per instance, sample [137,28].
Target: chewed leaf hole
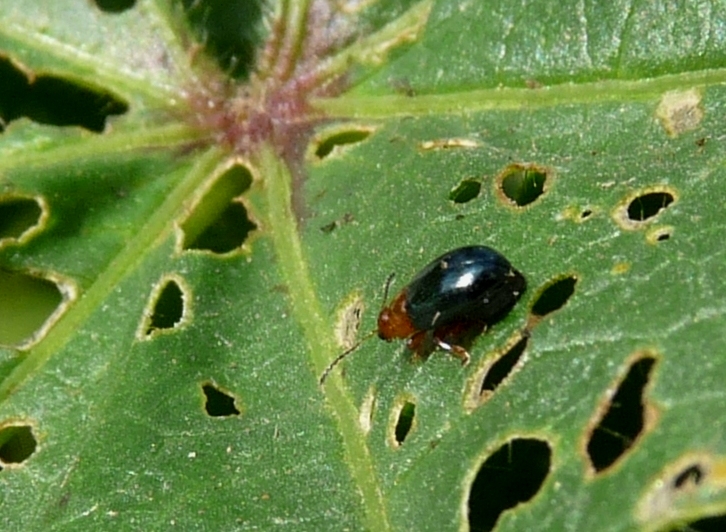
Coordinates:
[220,222]
[639,209]
[554,296]
[168,306]
[686,496]
[20,217]
[340,139]
[501,369]
[115,6]
[229,32]
[716,523]
[691,475]
[219,403]
[28,305]
[405,421]
[648,205]
[17,444]
[228,232]
[522,184]
[61,102]
[54,100]
[465,191]
[512,475]
[659,234]
[494,370]
[624,417]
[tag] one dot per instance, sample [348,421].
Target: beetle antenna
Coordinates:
[348,351]
[342,356]
[385,290]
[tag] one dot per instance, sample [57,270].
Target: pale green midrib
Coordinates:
[72,149]
[387,106]
[295,35]
[152,234]
[307,312]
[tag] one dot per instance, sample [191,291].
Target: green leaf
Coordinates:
[201,213]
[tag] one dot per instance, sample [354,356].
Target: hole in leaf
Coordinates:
[115,6]
[513,474]
[219,222]
[465,191]
[61,102]
[659,234]
[405,421]
[27,303]
[168,309]
[17,443]
[18,216]
[340,139]
[14,87]
[623,421]
[554,296]
[681,497]
[585,214]
[503,366]
[229,31]
[219,403]
[692,475]
[648,205]
[228,232]
[54,100]
[716,523]
[523,184]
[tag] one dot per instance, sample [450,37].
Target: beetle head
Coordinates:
[393,321]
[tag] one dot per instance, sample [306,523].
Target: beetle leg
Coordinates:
[456,350]
[416,343]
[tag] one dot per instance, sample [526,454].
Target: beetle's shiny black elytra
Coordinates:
[466,288]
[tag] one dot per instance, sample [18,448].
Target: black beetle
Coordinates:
[466,288]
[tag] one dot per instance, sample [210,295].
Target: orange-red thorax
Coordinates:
[393,321]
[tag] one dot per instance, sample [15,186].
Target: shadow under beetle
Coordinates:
[467,288]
